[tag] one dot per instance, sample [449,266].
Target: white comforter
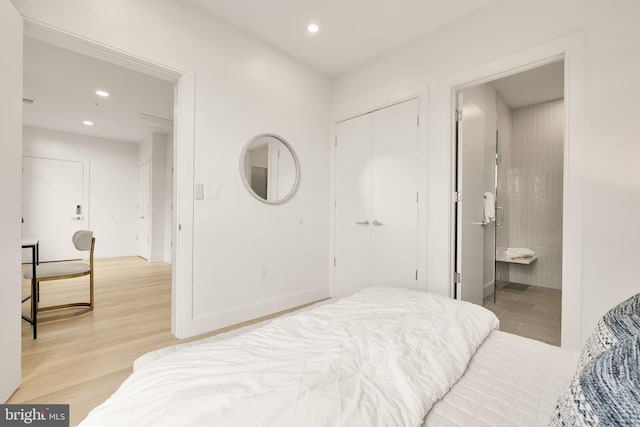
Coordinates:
[381,357]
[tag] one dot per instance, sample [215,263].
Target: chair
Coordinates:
[83,240]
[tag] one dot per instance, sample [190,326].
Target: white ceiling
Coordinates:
[63,83]
[351,31]
[532,87]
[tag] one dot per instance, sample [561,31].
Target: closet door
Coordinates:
[394,202]
[353,206]
[376,200]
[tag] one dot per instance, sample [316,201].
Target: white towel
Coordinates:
[489,207]
[515,253]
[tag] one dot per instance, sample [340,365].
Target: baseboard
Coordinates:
[237,315]
[113,254]
[535,285]
[487,289]
[156,258]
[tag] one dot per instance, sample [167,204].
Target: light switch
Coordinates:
[198,191]
[212,193]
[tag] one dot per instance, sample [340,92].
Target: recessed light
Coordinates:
[313,28]
[102,93]
[87,123]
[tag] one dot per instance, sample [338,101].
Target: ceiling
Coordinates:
[532,87]
[352,32]
[63,83]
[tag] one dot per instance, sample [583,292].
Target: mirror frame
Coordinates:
[243,172]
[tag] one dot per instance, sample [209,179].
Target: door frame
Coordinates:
[86,190]
[11,187]
[570,49]
[183,154]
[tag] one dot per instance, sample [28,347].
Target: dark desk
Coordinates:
[34,244]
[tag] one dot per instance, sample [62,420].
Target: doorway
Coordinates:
[509,179]
[184,98]
[117,113]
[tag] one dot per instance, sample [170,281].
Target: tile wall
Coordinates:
[530,190]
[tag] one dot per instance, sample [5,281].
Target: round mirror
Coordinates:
[270,169]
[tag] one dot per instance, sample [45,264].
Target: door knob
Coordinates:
[141,217]
[77,217]
[376,223]
[365,222]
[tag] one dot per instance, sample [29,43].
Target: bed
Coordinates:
[384,356]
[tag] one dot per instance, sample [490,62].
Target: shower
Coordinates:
[510,142]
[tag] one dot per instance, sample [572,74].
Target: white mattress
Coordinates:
[156,354]
[382,356]
[510,381]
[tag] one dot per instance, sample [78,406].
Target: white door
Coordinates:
[53,206]
[477,106]
[376,199]
[394,201]
[143,211]
[353,206]
[10,181]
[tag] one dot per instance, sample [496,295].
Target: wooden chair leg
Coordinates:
[91,290]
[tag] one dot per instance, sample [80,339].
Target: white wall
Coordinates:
[159,195]
[242,88]
[608,153]
[154,150]
[112,183]
[10,214]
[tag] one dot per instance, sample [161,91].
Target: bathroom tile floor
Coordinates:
[529,311]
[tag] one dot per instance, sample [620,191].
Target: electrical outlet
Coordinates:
[262,274]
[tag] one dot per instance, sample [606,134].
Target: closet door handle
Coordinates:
[376,223]
[365,222]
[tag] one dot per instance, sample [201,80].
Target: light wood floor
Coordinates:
[529,311]
[83,360]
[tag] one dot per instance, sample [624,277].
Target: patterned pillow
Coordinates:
[619,324]
[606,392]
